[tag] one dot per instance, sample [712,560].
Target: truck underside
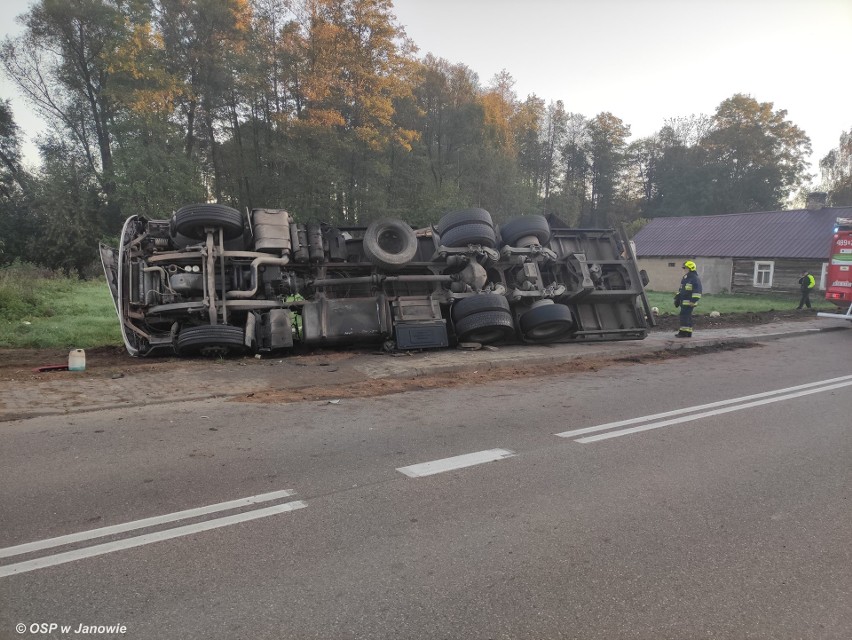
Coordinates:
[211,280]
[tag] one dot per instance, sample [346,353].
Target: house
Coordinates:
[741,252]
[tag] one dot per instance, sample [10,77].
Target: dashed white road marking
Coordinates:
[701,407]
[138,541]
[456,462]
[814,388]
[141,524]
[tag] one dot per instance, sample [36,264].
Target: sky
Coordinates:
[642,60]
[649,60]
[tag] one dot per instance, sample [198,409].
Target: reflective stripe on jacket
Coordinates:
[690,289]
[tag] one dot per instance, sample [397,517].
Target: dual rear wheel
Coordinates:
[486,318]
[467,227]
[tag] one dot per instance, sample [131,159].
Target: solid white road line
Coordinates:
[711,405]
[141,524]
[456,462]
[705,414]
[138,541]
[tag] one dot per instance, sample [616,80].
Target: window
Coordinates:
[763,274]
[671,264]
[822,275]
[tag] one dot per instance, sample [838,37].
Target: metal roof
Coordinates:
[799,233]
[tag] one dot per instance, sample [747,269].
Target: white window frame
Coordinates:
[823,275]
[759,269]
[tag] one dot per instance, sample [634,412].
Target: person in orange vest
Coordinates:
[687,297]
[806,283]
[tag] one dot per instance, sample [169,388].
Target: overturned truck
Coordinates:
[212,281]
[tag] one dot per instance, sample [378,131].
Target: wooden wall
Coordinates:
[785,277]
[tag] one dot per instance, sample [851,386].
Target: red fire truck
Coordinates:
[839,276]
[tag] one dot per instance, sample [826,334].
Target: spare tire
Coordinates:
[465,307]
[390,244]
[546,323]
[465,216]
[471,233]
[210,340]
[192,219]
[525,231]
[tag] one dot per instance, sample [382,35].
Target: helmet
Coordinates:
[689,264]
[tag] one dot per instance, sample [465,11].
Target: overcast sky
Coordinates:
[642,60]
[648,60]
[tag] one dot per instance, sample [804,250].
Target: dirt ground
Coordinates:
[114,362]
[670,322]
[18,364]
[388,386]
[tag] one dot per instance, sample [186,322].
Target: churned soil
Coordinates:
[669,322]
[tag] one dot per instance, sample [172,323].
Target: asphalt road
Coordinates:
[730,520]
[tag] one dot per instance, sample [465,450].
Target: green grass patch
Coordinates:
[40,309]
[738,302]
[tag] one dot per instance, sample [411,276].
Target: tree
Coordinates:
[61,64]
[606,146]
[446,111]
[66,210]
[356,68]
[756,156]
[527,125]
[671,170]
[836,168]
[661,166]
[11,173]
[577,165]
[153,175]
[500,104]
[555,130]
[643,159]
[747,157]
[203,42]
[16,228]
[684,181]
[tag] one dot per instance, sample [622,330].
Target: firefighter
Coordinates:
[806,283]
[687,297]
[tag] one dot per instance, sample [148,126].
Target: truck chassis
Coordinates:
[211,280]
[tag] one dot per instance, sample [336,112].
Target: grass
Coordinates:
[40,309]
[738,302]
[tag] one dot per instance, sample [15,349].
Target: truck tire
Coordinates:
[389,244]
[465,307]
[465,216]
[546,323]
[525,231]
[210,340]
[192,219]
[470,233]
[485,327]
